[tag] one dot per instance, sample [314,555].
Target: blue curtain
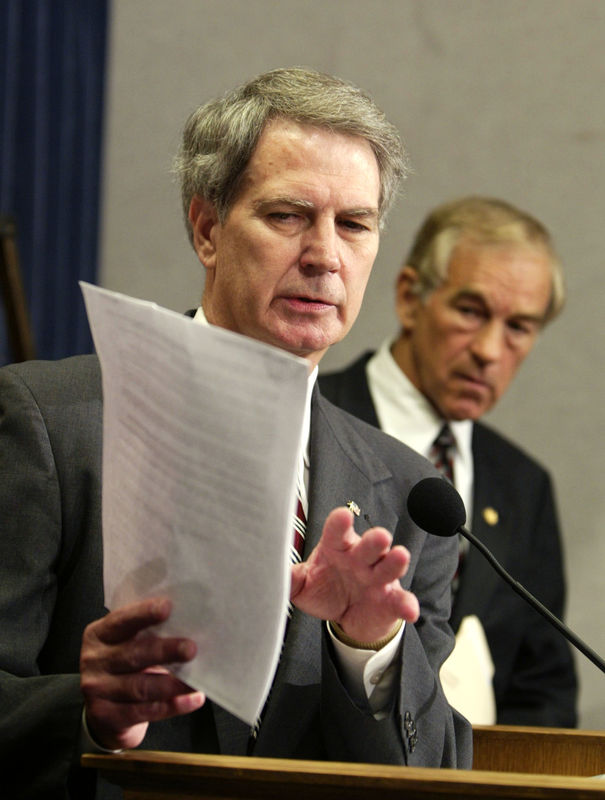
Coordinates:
[52,69]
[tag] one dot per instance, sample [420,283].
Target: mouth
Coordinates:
[471,380]
[305,304]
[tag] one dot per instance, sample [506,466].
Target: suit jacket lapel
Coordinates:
[343,469]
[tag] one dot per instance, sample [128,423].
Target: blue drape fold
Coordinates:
[52,75]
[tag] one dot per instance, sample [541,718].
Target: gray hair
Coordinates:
[219,138]
[483,221]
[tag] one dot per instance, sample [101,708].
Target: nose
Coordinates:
[488,342]
[320,248]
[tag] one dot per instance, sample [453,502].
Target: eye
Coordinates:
[354,225]
[520,328]
[468,314]
[283,216]
[285,221]
[470,310]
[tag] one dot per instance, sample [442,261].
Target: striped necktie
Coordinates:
[297,545]
[442,456]
[300,527]
[442,452]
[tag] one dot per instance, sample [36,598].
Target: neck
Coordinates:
[402,355]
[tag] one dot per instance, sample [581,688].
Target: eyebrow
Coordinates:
[472,294]
[297,202]
[362,212]
[307,205]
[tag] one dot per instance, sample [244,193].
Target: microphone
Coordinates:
[436,507]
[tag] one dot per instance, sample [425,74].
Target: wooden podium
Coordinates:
[510,762]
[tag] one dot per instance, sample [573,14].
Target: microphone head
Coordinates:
[436,507]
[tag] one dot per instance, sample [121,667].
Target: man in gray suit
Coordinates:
[286,182]
[480,282]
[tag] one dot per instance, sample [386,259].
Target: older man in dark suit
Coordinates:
[286,182]
[479,284]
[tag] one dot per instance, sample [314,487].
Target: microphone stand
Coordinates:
[526,595]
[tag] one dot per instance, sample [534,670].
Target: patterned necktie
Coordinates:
[300,527]
[442,452]
[297,545]
[442,456]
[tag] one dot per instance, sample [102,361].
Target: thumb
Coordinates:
[297,579]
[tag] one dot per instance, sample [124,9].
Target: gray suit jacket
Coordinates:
[535,681]
[51,587]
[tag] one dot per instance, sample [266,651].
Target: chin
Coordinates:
[458,413]
[310,343]
[468,405]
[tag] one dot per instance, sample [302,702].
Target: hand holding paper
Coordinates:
[123,685]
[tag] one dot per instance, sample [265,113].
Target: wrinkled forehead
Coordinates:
[292,152]
[473,256]
[512,237]
[521,274]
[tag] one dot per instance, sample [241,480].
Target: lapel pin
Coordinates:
[352,506]
[490,515]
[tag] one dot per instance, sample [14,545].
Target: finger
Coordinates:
[123,725]
[120,716]
[394,603]
[338,532]
[390,566]
[404,605]
[124,623]
[141,688]
[135,655]
[373,545]
[297,579]
[148,651]
[377,561]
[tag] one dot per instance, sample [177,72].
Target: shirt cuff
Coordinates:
[87,744]
[369,676]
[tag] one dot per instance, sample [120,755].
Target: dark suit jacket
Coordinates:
[51,588]
[534,680]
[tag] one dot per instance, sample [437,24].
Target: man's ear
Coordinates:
[407,301]
[204,219]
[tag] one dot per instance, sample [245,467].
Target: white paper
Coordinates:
[201,433]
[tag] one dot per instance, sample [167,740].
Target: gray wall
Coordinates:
[502,97]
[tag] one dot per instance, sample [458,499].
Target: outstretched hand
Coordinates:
[354,580]
[123,677]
